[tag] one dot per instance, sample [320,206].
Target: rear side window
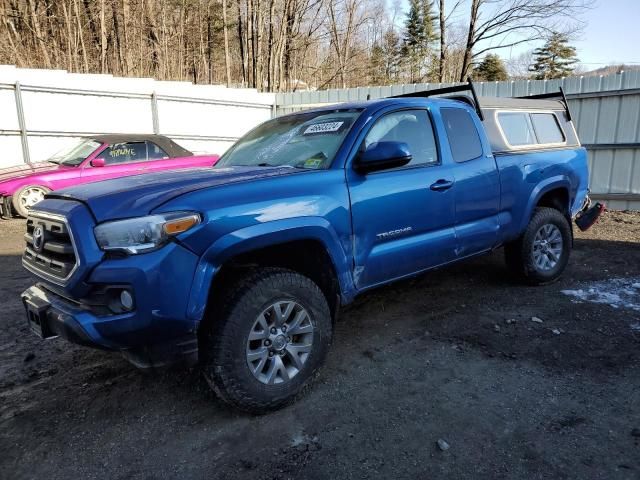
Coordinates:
[462,134]
[517,128]
[154,152]
[526,129]
[547,128]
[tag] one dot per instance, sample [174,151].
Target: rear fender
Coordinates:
[548,184]
[263,235]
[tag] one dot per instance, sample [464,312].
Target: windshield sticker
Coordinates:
[313,162]
[326,127]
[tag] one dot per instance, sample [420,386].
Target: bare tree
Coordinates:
[227,58]
[270,45]
[443,43]
[512,22]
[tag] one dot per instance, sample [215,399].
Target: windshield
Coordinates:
[75,153]
[306,140]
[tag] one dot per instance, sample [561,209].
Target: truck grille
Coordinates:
[49,250]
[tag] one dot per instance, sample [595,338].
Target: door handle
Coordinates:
[441,185]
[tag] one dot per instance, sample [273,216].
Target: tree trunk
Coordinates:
[83,48]
[38,31]
[118,40]
[152,35]
[227,59]
[242,44]
[125,38]
[471,35]
[103,40]
[71,56]
[270,59]
[258,54]
[443,44]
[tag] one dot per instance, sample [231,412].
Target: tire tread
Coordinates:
[219,339]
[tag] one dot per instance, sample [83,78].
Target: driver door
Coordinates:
[403,218]
[120,159]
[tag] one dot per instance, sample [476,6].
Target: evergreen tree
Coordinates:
[420,33]
[429,19]
[385,59]
[413,25]
[491,69]
[555,59]
[376,61]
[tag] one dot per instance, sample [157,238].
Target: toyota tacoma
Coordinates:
[243,267]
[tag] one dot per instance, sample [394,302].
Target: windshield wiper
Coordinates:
[263,164]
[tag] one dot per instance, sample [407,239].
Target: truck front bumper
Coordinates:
[155,331]
[50,316]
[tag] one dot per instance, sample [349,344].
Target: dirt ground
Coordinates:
[451,355]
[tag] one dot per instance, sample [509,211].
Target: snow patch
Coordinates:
[616,292]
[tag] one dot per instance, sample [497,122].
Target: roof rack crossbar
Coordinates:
[559,94]
[466,87]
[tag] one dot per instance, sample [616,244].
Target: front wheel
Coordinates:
[268,341]
[541,254]
[27,197]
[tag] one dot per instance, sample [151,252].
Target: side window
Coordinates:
[412,127]
[154,152]
[125,152]
[547,128]
[517,128]
[462,134]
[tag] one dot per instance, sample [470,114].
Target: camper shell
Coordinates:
[516,124]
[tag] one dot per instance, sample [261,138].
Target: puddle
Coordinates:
[616,292]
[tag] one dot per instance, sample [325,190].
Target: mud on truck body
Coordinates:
[243,267]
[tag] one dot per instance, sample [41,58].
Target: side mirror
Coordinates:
[97,162]
[382,156]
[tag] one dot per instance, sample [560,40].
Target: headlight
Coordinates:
[143,234]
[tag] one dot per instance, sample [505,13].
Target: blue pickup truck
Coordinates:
[243,267]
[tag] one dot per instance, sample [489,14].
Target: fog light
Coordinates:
[126,299]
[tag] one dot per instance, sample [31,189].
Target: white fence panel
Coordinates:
[208,119]
[41,111]
[9,113]
[73,113]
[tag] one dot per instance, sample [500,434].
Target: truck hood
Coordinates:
[139,194]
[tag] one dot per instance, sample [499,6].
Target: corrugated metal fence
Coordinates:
[605,109]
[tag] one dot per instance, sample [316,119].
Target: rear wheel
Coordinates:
[268,341]
[541,254]
[27,197]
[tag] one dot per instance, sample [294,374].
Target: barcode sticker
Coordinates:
[327,127]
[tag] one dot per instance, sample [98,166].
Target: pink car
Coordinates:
[90,160]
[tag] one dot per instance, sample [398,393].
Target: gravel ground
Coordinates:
[453,355]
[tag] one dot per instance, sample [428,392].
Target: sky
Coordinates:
[611,35]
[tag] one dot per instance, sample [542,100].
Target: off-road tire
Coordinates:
[15,199]
[519,253]
[224,341]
